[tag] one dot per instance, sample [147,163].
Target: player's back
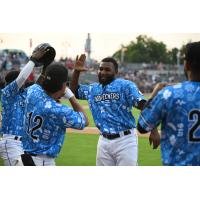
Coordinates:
[13,109]
[180,142]
[46,122]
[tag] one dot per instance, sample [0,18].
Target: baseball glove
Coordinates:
[48,57]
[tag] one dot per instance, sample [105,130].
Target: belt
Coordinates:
[32,154]
[19,138]
[114,136]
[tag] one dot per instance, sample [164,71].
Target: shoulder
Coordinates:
[34,88]
[88,85]
[124,82]
[12,85]
[93,85]
[58,109]
[169,91]
[172,88]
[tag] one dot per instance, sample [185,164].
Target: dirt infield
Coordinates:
[94,130]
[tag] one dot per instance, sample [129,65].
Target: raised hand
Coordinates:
[79,65]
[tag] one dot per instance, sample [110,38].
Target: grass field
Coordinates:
[80,149]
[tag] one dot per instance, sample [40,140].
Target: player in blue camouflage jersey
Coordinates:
[177,108]
[111,101]
[46,119]
[13,96]
[1,87]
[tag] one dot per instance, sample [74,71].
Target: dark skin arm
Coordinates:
[78,68]
[77,107]
[154,137]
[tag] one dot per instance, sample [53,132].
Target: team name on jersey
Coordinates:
[108,96]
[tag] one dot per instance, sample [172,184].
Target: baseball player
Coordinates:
[46,119]
[177,108]
[1,87]
[111,101]
[13,96]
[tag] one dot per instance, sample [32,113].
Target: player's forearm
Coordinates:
[25,73]
[74,81]
[141,129]
[75,105]
[142,104]
[78,108]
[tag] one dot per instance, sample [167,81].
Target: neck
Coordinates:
[52,95]
[194,77]
[104,84]
[40,80]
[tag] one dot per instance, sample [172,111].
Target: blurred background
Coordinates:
[145,59]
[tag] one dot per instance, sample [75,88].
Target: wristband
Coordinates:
[33,60]
[68,93]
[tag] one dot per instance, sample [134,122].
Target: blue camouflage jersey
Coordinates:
[46,122]
[111,105]
[0,113]
[178,109]
[13,99]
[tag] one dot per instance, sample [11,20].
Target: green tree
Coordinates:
[172,56]
[145,49]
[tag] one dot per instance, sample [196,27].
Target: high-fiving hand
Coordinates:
[79,65]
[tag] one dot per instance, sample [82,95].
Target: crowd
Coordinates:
[146,76]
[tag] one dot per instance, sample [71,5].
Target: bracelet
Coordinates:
[68,93]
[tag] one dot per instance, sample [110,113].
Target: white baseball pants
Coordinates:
[11,150]
[122,151]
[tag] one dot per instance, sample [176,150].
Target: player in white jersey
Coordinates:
[46,119]
[111,101]
[13,96]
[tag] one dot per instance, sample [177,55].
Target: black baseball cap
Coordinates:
[56,74]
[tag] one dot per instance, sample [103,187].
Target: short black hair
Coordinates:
[192,56]
[2,84]
[113,61]
[11,76]
[56,74]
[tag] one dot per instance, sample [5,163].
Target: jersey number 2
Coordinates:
[194,115]
[38,120]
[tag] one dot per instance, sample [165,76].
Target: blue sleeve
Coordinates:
[70,118]
[83,92]
[133,95]
[10,90]
[152,115]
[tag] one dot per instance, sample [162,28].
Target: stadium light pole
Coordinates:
[178,56]
[64,48]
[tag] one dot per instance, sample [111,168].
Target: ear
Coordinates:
[186,66]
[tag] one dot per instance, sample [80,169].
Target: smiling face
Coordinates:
[106,73]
